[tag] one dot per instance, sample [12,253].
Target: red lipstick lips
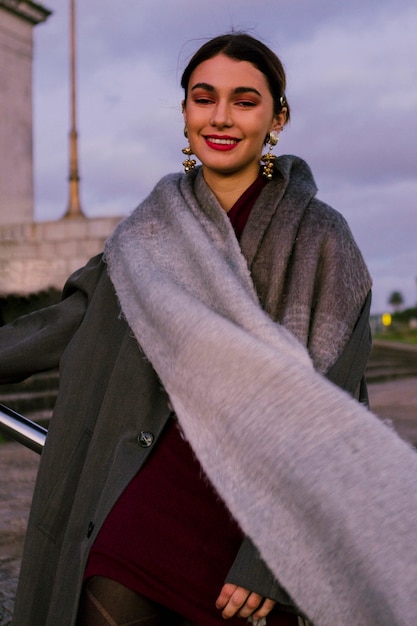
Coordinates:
[223,143]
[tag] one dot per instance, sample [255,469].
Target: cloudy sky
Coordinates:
[352,86]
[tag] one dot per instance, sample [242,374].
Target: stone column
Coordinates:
[17,19]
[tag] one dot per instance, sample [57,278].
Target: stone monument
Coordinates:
[34,257]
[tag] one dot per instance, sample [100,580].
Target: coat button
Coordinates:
[90,529]
[145,438]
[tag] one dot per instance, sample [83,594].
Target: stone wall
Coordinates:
[37,256]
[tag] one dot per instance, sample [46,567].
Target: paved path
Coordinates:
[396,400]
[18,467]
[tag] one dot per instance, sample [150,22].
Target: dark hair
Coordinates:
[244,47]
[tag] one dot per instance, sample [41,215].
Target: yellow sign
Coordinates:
[386,319]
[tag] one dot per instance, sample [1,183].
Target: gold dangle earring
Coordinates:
[269,158]
[189,164]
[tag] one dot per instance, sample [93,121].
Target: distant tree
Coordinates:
[396,300]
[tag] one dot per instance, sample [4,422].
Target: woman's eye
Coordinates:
[203,100]
[246,103]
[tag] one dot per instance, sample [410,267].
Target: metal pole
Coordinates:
[22,429]
[74,204]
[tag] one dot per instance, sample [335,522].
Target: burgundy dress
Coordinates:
[169,537]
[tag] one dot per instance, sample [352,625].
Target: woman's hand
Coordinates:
[234,600]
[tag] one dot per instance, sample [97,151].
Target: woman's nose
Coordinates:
[221,115]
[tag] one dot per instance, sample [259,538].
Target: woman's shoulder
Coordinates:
[318,210]
[326,224]
[299,183]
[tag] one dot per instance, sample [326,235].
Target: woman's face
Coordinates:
[228,113]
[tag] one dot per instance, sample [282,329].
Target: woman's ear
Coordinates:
[280,120]
[183,110]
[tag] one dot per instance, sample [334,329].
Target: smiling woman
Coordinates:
[211,320]
[234,99]
[228,113]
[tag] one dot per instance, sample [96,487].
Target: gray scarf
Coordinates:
[323,488]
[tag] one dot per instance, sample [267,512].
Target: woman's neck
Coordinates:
[228,189]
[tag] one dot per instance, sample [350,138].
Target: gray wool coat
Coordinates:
[109,413]
[111,407]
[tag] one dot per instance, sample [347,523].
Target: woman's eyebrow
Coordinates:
[205,86]
[237,91]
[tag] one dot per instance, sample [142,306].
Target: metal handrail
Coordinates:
[22,429]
